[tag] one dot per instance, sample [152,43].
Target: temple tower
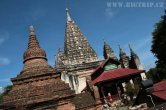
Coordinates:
[38,86]
[108,52]
[135,62]
[78,59]
[77,49]
[124,59]
[134,59]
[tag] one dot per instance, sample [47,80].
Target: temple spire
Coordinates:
[124,59]
[131,51]
[134,59]
[34,51]
[130,47]
[33,42]
[77,49]
[120,50]
[108,52]
[68,15]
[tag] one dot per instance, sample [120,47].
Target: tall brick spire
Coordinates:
[34,50]
[37,84]
[33,42]
[35,60]
[77,49]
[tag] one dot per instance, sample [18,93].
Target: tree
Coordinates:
[153,74]
[6,90]
[159,45]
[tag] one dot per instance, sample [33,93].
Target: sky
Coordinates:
[118,22]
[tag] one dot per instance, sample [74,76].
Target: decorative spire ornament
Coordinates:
[34,51]
[31,30]
[68,15]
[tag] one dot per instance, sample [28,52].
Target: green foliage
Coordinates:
[159,46]
[6,90]
[129,88]
[1,97]
[153,74]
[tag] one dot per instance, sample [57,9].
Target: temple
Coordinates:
[78,60]
[78,81]
[39,87]
[112,80]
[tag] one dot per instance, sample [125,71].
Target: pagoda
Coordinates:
[38,86]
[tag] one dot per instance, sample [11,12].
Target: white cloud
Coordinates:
[108,10]
[3,37]
[109,13]
[4,61]
[1,89]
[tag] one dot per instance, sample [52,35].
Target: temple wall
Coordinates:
[65,77]
[68,106]
[82,84]
[36,83]
[77,81]
[143,75]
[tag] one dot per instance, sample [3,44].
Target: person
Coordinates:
[110,97]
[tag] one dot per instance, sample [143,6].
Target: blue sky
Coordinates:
[97,19]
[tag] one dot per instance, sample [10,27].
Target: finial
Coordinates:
[31,30]
[104,41]
[129,46]
[59,49]
[131,50]
[55,59]
[67,14]
[119,47]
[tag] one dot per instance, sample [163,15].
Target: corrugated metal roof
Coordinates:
[116,73]
[160,90]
